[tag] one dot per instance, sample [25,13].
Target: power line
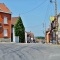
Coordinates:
[44,23]
[35,7]
[36,26]
[47,11]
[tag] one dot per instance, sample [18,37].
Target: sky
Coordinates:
[35,14]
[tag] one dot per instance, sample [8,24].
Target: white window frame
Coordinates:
[5,32]
[5,20]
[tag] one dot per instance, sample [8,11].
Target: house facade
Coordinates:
[13,22]
[59,28]
[5,23]
[47,36]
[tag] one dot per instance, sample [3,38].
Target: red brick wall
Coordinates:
[5,26]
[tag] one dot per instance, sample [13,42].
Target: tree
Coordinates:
[40,37]
[20,30]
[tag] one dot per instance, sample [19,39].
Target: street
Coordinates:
[17,51]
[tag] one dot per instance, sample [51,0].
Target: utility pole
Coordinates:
[55,7]
[55,2]
[44,30]
[56,20]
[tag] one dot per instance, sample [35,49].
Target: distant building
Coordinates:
[29,37]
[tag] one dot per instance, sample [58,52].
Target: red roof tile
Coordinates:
[4,9]
[14,20]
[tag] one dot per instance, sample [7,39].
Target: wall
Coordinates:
[25,37]
[59,27]
[5,26]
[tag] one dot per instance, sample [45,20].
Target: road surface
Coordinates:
[14,51]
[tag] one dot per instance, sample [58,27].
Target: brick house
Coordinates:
[5,23]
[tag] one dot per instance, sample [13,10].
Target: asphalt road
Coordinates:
[14,51]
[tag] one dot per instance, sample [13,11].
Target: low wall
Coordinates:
[5,39]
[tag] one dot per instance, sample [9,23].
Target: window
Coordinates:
[0,24]
[5,20]
[5,32]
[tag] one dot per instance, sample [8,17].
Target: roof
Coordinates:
[4,9]
[30,34]
[14,20]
